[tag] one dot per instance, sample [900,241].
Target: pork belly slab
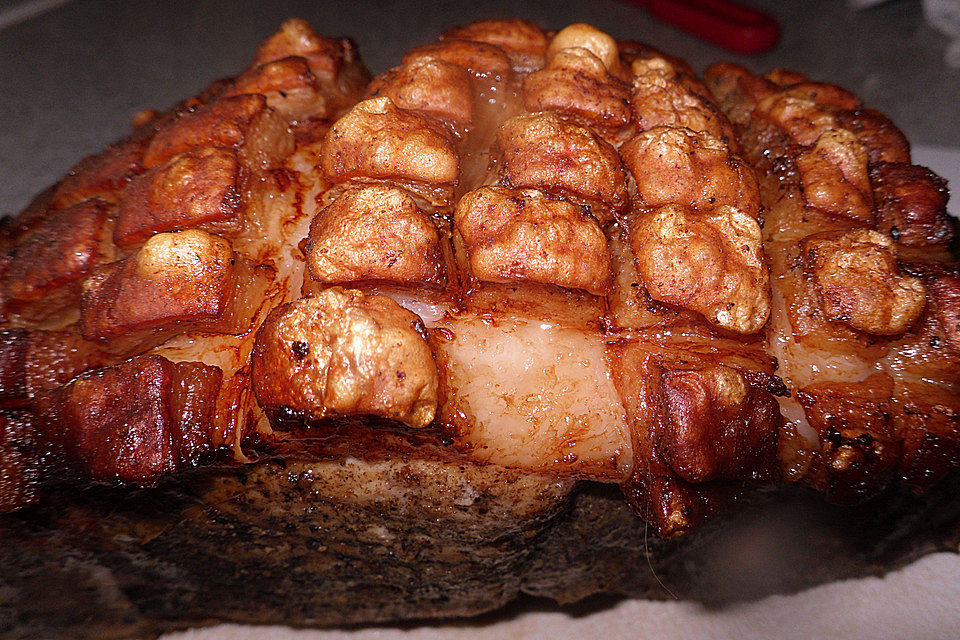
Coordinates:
[517,263]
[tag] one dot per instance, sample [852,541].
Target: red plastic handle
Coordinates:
[722,22]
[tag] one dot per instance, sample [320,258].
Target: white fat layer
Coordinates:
[537,396]
[792,412]
[430,312]
[802,365]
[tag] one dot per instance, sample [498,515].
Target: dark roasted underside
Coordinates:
[306,543]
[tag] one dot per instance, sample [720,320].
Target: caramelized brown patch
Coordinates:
[174,280]
[441,89]
[576,84]
[243,122]
[859,452]
[59,251]
[661,101]
[826,95]
[377,140]
[20,462]
[801,118]
[882,139]
[544,152]
[911,204]
[200,187]
[345,353]
[288,85]
[719,426]
[13,369]
[736,90]
[672,165]
[34,360]
[784,77]
[711,263]
[373,233]
[512,234]
[481,59]
[654,491]
[130,422]
[523,39]
[296,37]
[859,282]
[834,176]
[943,284]
[101,175]
[928,420]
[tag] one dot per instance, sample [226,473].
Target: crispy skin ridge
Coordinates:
[503,189]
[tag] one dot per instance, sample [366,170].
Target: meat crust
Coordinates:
[513,234]
[543,152]
[440,89]
[835,177]
[659,100]
[719,426]
[859,448]
[576,83]
[711,263]
[200,187]
[375,232]
[288,85]
[859,282]
[244,122]
[126,423]
[58,252]
[184,278]
[101,175]
[911,204]
[585,36]
[379,141]
[479,58]
[523,40]
[674,165]
[345,353]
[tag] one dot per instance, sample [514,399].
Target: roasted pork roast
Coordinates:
[532,312]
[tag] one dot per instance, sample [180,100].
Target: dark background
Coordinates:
[71,78]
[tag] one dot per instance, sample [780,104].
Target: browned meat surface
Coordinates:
[524,41]
[441,89]
[187,278]
[911,204]
[134,421]
[544,152]
[712,264]
[583,79]
[377,140]
[303,348]
[859,283]
[675,165]
[48,262]
[243,122]
[479,58]
[200,187]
